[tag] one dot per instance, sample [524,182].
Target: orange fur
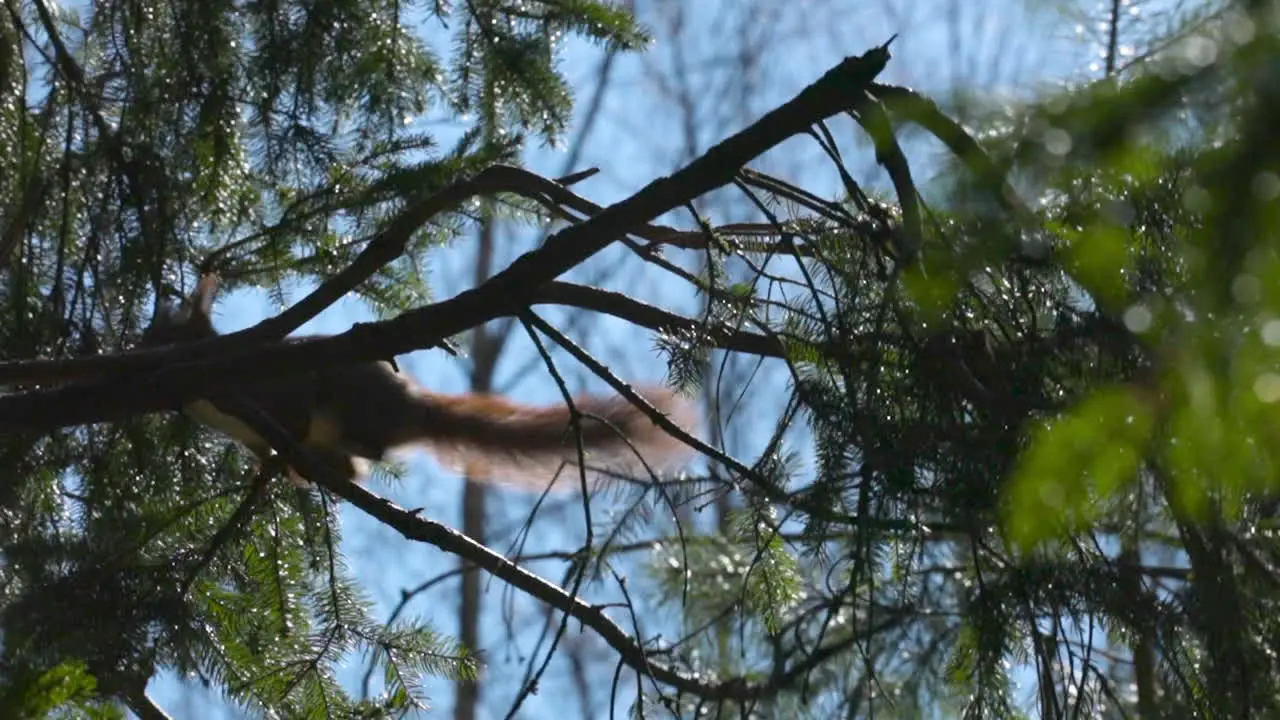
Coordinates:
[491,438]
[358,412]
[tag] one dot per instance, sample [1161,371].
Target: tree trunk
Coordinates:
[484,353]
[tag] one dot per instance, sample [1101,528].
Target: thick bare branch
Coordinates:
[222,362]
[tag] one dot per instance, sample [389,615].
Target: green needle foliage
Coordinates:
[1046,468]
[1041,395]
[138,139]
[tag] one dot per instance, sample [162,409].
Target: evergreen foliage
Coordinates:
[264,139]
[1043,429]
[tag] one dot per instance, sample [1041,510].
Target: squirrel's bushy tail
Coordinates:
[487,437]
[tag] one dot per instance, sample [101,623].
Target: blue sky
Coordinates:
[996,48]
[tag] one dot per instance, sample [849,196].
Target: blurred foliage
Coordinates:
[1044,480]
[270,140]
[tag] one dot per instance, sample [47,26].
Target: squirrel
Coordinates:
[346,416]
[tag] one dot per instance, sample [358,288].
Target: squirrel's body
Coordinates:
[347,414]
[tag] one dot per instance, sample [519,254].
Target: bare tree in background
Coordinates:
[486,346]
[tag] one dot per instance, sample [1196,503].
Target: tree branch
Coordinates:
[608,302]
[145,708]
[414,527]
[222,362]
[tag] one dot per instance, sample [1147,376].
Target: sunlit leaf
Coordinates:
[1076,461]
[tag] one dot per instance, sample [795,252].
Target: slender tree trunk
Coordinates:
[484,353]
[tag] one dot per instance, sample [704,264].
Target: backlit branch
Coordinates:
[200,368]
[417,528]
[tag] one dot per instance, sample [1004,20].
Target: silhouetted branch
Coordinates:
[205,367]
[414,527]
[145,708]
